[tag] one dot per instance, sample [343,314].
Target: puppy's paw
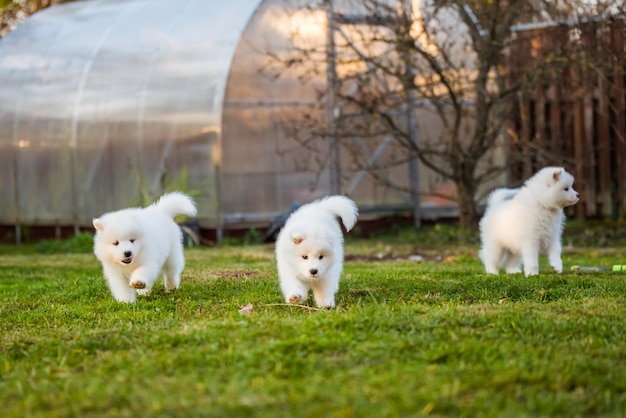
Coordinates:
[137,284]
[170,287]
[143,292]
[294,299]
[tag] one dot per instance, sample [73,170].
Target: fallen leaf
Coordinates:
[246,310]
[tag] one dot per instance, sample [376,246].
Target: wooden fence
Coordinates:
[575,113]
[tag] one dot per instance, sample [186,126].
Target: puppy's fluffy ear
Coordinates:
[97,223]
[297,237]
[554,177]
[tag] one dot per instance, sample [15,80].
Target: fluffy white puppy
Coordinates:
[519,224]
[309,250]
[135,245]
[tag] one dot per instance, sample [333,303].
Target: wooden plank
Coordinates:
[589,157]
[603,146]
[568,98]
[588,79]
[544,157]
[579,144]
[554,124]
[561,37]
[579,155]
[617,31]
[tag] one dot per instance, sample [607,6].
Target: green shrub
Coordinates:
[81,243]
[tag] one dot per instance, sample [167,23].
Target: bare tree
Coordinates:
[394,66]
[13,12]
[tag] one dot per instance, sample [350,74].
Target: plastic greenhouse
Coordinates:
[106,104]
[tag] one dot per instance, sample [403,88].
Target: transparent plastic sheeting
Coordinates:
[105,104]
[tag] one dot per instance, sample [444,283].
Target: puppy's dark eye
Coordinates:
[306,257]
[567,189]
[116,243]
[132,240]
[321,256]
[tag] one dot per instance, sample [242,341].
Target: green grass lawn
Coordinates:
[431,338]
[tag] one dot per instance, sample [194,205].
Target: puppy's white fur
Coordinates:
[519,224]
[135,245]
[309,250]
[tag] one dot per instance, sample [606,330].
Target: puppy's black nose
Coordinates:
[127,253]
[313,271]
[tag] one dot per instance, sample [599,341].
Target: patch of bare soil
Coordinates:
[417,257]
[234,274]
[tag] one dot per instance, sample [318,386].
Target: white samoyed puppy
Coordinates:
[309,250]
[519,224]
[135,245]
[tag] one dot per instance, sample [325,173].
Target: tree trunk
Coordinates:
[468,216]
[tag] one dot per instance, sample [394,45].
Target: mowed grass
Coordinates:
[408,339]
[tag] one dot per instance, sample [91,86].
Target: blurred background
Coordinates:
[414,109]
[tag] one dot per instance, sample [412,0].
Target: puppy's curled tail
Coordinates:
[342,207]
[501,195]
[176,203]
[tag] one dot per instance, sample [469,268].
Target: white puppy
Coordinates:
[521,223]
[134,245]
[309,250]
